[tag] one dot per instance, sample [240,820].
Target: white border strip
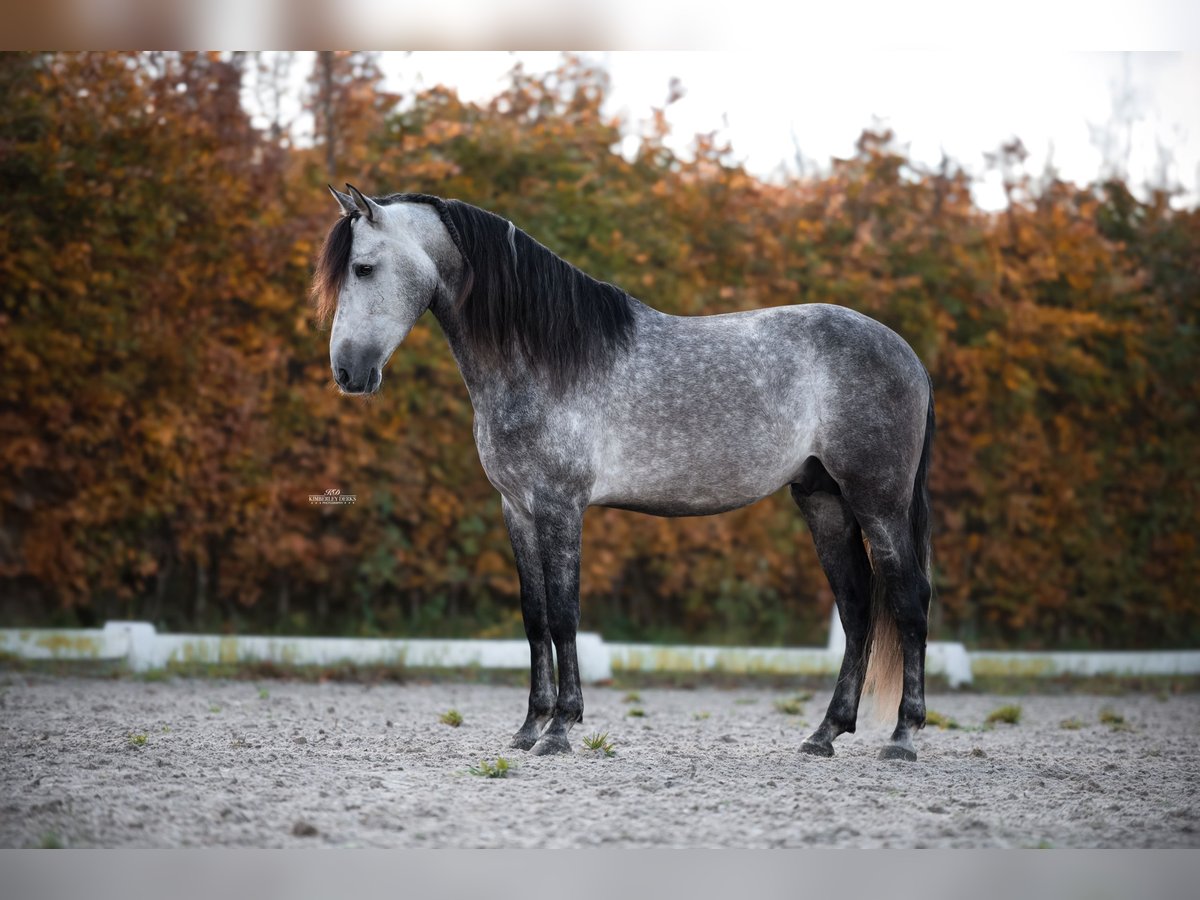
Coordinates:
[143,649]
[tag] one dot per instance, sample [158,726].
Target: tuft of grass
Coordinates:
[137,740]
[1114,720]
[51,841]
[499,769]
[792,706]
[632,697]
[939,720]
[451,717]
[636,712]
[1071,724]
[214,708]
[1009,713]
[745,701]
[263,693]
[599,743]
[701,716]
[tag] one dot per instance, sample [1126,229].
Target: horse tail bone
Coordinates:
[883,682]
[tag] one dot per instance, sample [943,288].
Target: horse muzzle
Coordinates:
[358,372]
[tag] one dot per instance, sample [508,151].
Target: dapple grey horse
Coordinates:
[584,396]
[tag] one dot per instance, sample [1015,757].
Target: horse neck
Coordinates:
[436,242]
[476,376]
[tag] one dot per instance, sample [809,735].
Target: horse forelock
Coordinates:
[332,264]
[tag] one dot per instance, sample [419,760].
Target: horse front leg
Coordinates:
[542,693]
[559,527]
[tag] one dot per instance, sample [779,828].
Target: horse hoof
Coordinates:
[549,744]
[813,748]
[898,751]
[523,740]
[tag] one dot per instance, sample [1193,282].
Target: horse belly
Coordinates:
[711,413]
[696,474]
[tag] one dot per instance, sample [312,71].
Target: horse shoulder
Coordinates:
[532,443]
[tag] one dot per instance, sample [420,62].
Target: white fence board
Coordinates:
[140,646]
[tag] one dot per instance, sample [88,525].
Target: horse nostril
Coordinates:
[343,377]
[373,379]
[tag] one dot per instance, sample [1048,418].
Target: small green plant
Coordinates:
[632,697]
[1071,724]
[792,706]
[745,701]
[263,693]
[499,769]
[137,740]
[938,720]
[166,729]
[636,712]
[599,743]
[701,716]
[1111,718]
[51,841]
[214,708]
[1009,714]
[451,717]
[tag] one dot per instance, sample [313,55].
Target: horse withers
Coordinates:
[584,396]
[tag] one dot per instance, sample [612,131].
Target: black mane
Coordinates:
[518,298]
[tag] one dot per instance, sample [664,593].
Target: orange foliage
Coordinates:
[166,409]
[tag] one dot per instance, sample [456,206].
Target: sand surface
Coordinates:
[289,764]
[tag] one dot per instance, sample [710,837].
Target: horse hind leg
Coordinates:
[839,545]
[904,598]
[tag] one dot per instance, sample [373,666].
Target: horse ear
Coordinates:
[345,201]
[370,210]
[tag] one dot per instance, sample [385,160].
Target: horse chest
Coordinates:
[526,452]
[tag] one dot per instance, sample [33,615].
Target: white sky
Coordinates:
[965,103]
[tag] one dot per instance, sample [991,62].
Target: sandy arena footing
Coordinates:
[195,763]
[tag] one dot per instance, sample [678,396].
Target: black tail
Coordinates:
[919,513]
[884,679]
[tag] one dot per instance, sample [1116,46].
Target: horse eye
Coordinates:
[363,271]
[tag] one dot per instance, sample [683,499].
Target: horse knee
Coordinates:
[562,619]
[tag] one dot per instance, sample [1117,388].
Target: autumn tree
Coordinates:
[166,407]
